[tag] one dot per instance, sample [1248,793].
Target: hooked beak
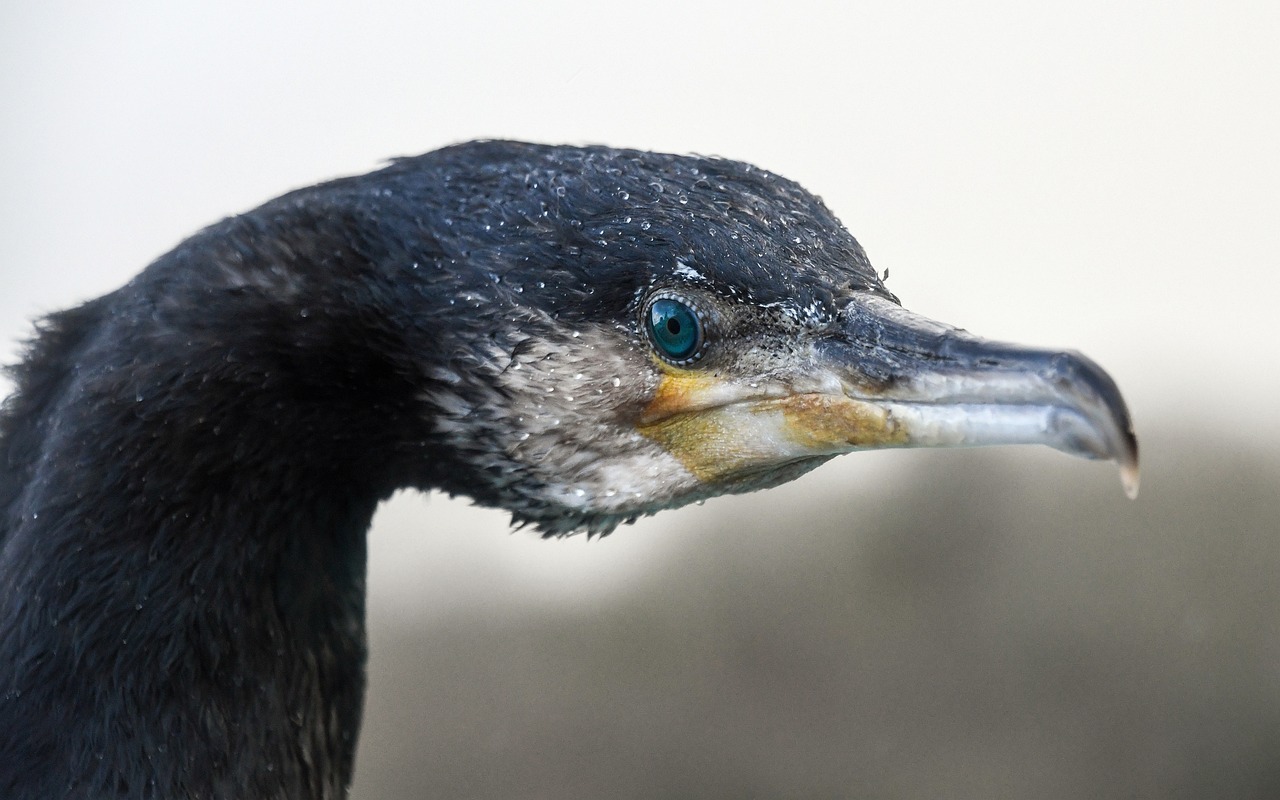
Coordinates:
[885,377]
[939,386]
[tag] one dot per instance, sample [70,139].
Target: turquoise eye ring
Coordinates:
[676,327]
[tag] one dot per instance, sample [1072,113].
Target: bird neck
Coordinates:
[192,629]
[182,583]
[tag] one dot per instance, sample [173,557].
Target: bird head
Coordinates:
[609,333]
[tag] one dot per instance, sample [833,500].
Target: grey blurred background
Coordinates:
[979,624]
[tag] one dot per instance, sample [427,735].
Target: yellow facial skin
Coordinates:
[720,429]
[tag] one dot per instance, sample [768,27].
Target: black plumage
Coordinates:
[190,463]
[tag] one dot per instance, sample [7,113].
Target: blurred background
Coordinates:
[980,624]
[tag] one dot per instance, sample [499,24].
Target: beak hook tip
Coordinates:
[1129,479]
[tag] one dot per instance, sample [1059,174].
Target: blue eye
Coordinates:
[674,328]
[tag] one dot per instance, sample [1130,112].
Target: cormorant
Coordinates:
[578,335]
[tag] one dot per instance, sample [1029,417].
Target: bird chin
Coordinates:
[554,519]
[766,476]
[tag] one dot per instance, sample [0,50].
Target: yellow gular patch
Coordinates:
[744,433]
[836,423]
[681,391]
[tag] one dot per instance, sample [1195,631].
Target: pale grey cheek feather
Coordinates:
[546,424]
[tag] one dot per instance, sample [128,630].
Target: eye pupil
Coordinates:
[674,329]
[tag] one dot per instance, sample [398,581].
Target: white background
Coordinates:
[1102,176]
